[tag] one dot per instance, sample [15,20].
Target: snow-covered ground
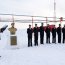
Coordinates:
[47,54]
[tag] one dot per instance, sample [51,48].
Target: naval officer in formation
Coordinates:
[56,32]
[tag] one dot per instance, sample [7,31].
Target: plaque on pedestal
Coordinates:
[13,40]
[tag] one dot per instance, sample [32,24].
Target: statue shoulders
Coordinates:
[12,29]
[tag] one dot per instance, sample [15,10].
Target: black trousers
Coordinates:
[47,39]
[36,40]
[41,39]
[29,42]
[59,38]
[63,39]
[53,39]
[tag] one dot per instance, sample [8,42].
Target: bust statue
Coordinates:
[13,38]
[12,29]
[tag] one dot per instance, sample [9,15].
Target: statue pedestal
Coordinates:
[13,40]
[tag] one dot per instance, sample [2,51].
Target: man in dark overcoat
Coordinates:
[63,31]
[47,34]
[41,34]
[36,30]
[29,32]
[54,34]
[59,29]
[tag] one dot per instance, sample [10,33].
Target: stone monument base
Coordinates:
[13,40]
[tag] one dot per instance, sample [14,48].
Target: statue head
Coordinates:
[12,29]
[12,24]
[41,24]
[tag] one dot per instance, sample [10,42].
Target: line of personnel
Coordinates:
[41,29]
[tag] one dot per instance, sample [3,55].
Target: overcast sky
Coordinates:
[32,7]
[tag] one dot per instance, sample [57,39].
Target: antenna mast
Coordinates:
[54,10]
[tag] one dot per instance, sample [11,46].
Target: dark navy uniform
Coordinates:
[47,34]
[63,31]
[29,32]
[41,34]
[54,35]
[36,30]
[59,29]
